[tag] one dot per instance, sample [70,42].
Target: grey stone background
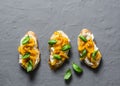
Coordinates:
[44,17]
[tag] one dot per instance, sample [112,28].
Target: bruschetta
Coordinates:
[59,46]
[89,52]
[29,54]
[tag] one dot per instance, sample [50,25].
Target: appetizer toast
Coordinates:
[59,46]
[89,52]
[29,54]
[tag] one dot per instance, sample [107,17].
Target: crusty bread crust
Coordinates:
[31,33]
[84,31]
[54,67]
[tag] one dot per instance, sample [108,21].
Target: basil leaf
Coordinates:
[68,74]
[56,56]
[27,55]
[25,40]
[52,41]
[94,54]
[83,53]
[30,62]
[29,66]
[77,68]
[83,38]
[66,47]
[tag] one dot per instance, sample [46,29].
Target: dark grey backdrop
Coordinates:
[44,17]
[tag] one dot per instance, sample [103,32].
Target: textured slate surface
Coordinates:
[43,17]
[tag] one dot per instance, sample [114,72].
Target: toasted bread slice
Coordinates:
[59,46]
[29,54]
[89,52]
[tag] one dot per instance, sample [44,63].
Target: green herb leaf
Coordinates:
[25,40]
[77,68]
[30,62]
[83,38]
[68,74]
[52,41]
[94,54]
[29,66]
[66,47]
[56,56]
[83,53]
[27,55]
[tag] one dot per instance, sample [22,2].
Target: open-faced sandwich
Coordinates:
[89,52]
[59,46]
[29,54]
